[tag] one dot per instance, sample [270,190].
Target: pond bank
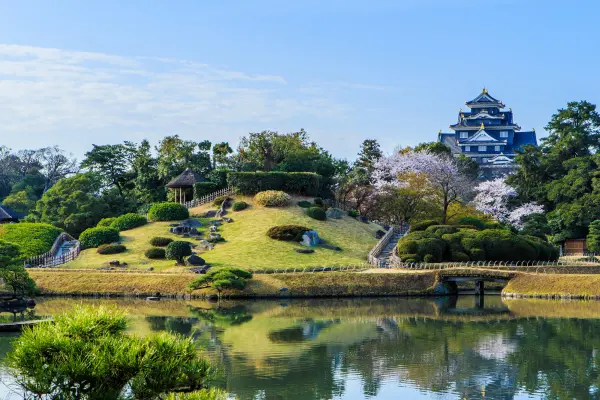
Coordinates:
[327,284]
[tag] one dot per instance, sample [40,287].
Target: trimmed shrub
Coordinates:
[177,250]
[106,222]
[32,238]
[168,212]
[94,237]
[319,202]
[478,223]
[407,247]
[160,241]
[440,230]
[353,213]
[429,258]
[287,232]
[421,226]
[273,198]
[204,188]
[155,253]
[305,183]
[112,248]
[128,221]
[219,200]
[411,258]
[317,213]
[224,278]
[239,206]
[304,204]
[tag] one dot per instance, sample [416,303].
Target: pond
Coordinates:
[380,348]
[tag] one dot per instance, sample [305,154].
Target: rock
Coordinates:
[150,269]
[210,214]
[228,220]
[178,230]
[311,239]
[114,263]
[214,236]
[379,234]
[335,213]
[283,289]
[124,264]
[215,222]
[194,232]
[195,261]
[200,270]
[213,228]
[191,223]
[185,235]
[173,225]
[305,251]
[194,245]
[330,247]
[206,245]
[386,227]
[363,219]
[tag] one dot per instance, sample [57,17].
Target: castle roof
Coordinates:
[485,99]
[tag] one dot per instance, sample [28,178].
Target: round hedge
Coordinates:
[177,250]
[272,198]
[94,237]
[219,200]
[287,232]
[353,213]
[317,213]
[155,253]
[106,222]
[239,205]
[159,241]
[112,248]
[168,211]
[319,202]
[304,204]
[128,221]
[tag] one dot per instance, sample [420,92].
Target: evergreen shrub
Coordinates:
[353,213]
[593,237]
[112,248]
[177,250]
[219,200]
[421,226]
[304,204]
[160,241]
[287,232]
[94,237]
[168,211]
[155,253]
[239,206]
[128,221]
[272,198]
[317,213]
[106,222]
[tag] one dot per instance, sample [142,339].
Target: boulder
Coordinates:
[335,213]
[194,232]
[150,269]
[191,223]
[210,214]
[195,261]
[185,235]
[305,251]
[178,230]
[206,245]
[215,222]
[200,270]
[114,263]
[214,236]
[363,219]
[311,239]
[227,219]
[213,228]
[379,234]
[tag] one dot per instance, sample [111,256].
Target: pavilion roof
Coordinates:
[186,179]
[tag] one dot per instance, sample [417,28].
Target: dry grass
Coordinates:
[564,285]
[328,284]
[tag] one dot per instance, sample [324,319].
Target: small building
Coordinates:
[574,247]
[183,185]
[8,215]
[488,135]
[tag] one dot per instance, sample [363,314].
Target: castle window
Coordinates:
[503,134]
[496,148]
[482,148]
[464,135]
[467,148]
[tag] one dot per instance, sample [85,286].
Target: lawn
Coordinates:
[247,245]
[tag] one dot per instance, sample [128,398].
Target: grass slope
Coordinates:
[33,239]
[559,285]
[247,245]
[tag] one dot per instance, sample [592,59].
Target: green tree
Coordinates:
[370,153]
[220,153]
[148,188]
[18,280]
[9,253]
[176,154]
[112,163]
[593,238]
[19,201]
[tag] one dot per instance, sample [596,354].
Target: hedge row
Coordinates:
[439,243]
[128,221]
[202,189]
[305,183]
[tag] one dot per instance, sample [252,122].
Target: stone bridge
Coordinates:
[449,278]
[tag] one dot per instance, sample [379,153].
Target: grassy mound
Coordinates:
[33,239]
[247,244]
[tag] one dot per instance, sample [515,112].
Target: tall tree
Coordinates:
[112,163]
[148,186]
[370,153]
[56,164]
[176,154]
[220,152]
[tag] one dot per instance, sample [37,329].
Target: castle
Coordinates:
[488,135]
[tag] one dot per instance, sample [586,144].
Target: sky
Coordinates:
[77,73]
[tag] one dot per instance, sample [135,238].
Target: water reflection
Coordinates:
[387,348]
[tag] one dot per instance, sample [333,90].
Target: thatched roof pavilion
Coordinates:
[8,215]
[182,183]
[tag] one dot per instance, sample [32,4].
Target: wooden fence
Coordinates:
[209,197]
[50,258]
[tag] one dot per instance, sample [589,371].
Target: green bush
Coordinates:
[429,258]
[287,232]
[128,221]
[177,250]
[202,189]
[168,212]
[145,208]
[94,237]
[319,202]
[224,278]
[421,226]
[353,213]
[160,241]
[155,253]
[473,221]
[111,248]
[9,254]
[32,238]
[219,200]
[477,254]
[304,204]
[304,183]
[440,230]
[272,198]
[106,222]
[239,206]
[593,237]
[459,256]
[317,213]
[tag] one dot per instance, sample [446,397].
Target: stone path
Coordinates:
[387,250]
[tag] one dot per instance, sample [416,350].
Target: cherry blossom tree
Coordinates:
[448,183]
[497,198]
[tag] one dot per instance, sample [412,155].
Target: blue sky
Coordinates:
[74,73]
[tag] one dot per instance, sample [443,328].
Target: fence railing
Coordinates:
[209,197]
[50,258]
[373,257]
[556,267]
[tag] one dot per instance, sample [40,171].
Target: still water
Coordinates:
[446,348]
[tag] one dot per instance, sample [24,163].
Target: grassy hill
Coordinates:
[247,245]
[32,239]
